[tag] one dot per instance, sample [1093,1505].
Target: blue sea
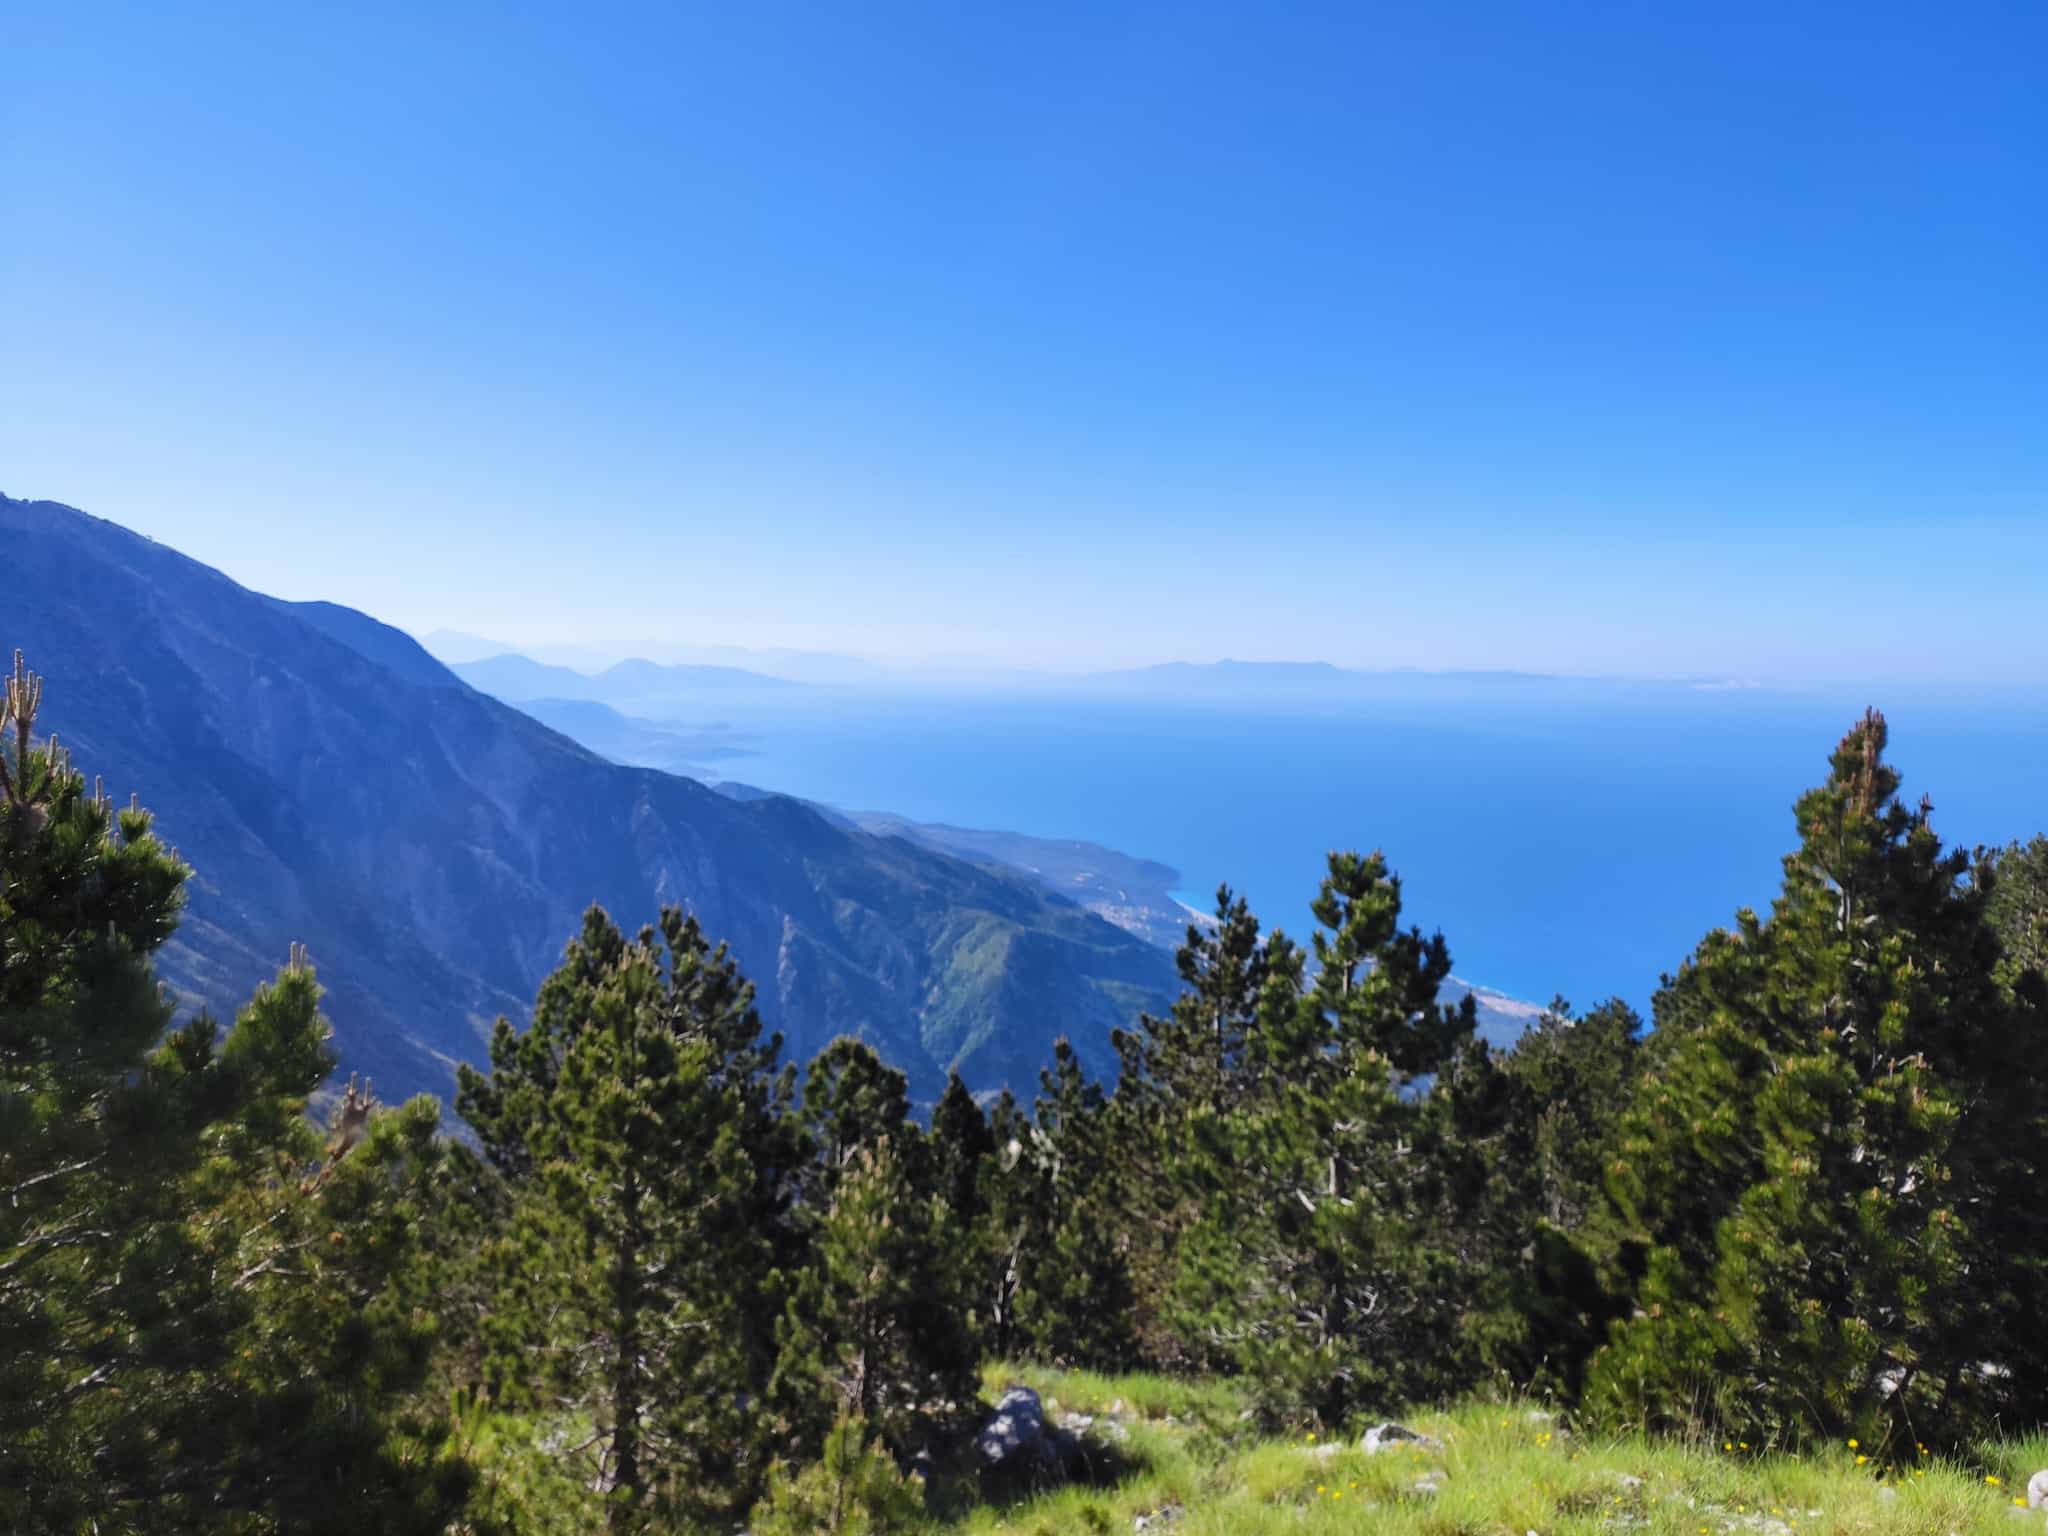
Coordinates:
[1573,840]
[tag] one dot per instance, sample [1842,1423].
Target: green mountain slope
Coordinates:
[333,784]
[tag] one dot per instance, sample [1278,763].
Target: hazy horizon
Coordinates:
[1086,338]
[844,670]
[589,652]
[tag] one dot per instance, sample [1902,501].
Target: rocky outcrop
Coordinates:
[1018,1448]
[1389,1437]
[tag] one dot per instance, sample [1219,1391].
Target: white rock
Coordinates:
[2037,1491]
[1016,1434]
[1387,1437]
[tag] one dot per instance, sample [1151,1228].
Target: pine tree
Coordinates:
[1318,1266]
[1568,1080]
[1825,1183]
[1194,1057]
[1060,1212]
[1179,1075]
[204,1318]
[853,1489]
[959,1173]
[851,1100]
[316,1414]
[2018,910]
[1576,1072]
[878,1328]
[641,1130]
[1011,1191]
[961,1145]
[876,1331]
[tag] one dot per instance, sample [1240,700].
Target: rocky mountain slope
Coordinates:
[1134,893]
[334,784]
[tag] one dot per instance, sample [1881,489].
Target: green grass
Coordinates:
[1501,1471]
[1140,1395]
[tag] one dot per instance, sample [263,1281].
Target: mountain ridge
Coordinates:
[514,678]
[1133,892]
[456,647]
[333,784]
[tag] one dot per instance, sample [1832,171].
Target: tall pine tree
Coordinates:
[1184,1077]
[877,1331]
[1825,1184]
[1318,1265]
[205,1316]
[638,1121]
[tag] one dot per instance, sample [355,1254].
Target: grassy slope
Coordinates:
[1501,1470]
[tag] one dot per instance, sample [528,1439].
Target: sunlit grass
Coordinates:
[1501,1471]
[1140,1394]
[1497,1470]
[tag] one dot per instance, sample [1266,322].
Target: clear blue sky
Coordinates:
[1607,337]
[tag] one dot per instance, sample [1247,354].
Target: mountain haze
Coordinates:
[516,679]
[333,784]
[456,647]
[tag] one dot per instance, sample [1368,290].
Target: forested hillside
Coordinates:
[683,1280]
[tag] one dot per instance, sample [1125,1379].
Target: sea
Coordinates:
[1568,840]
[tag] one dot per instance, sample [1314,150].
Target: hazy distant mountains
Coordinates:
[457,648]
[690,675]
[517,679]
[333,783]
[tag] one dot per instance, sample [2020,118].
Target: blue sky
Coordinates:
[1673,339]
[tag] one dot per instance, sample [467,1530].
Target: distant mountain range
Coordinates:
[455,647]
[1294,678]
[333,783]
[517,679]
[686,675]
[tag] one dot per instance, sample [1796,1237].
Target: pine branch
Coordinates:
[14,1190]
